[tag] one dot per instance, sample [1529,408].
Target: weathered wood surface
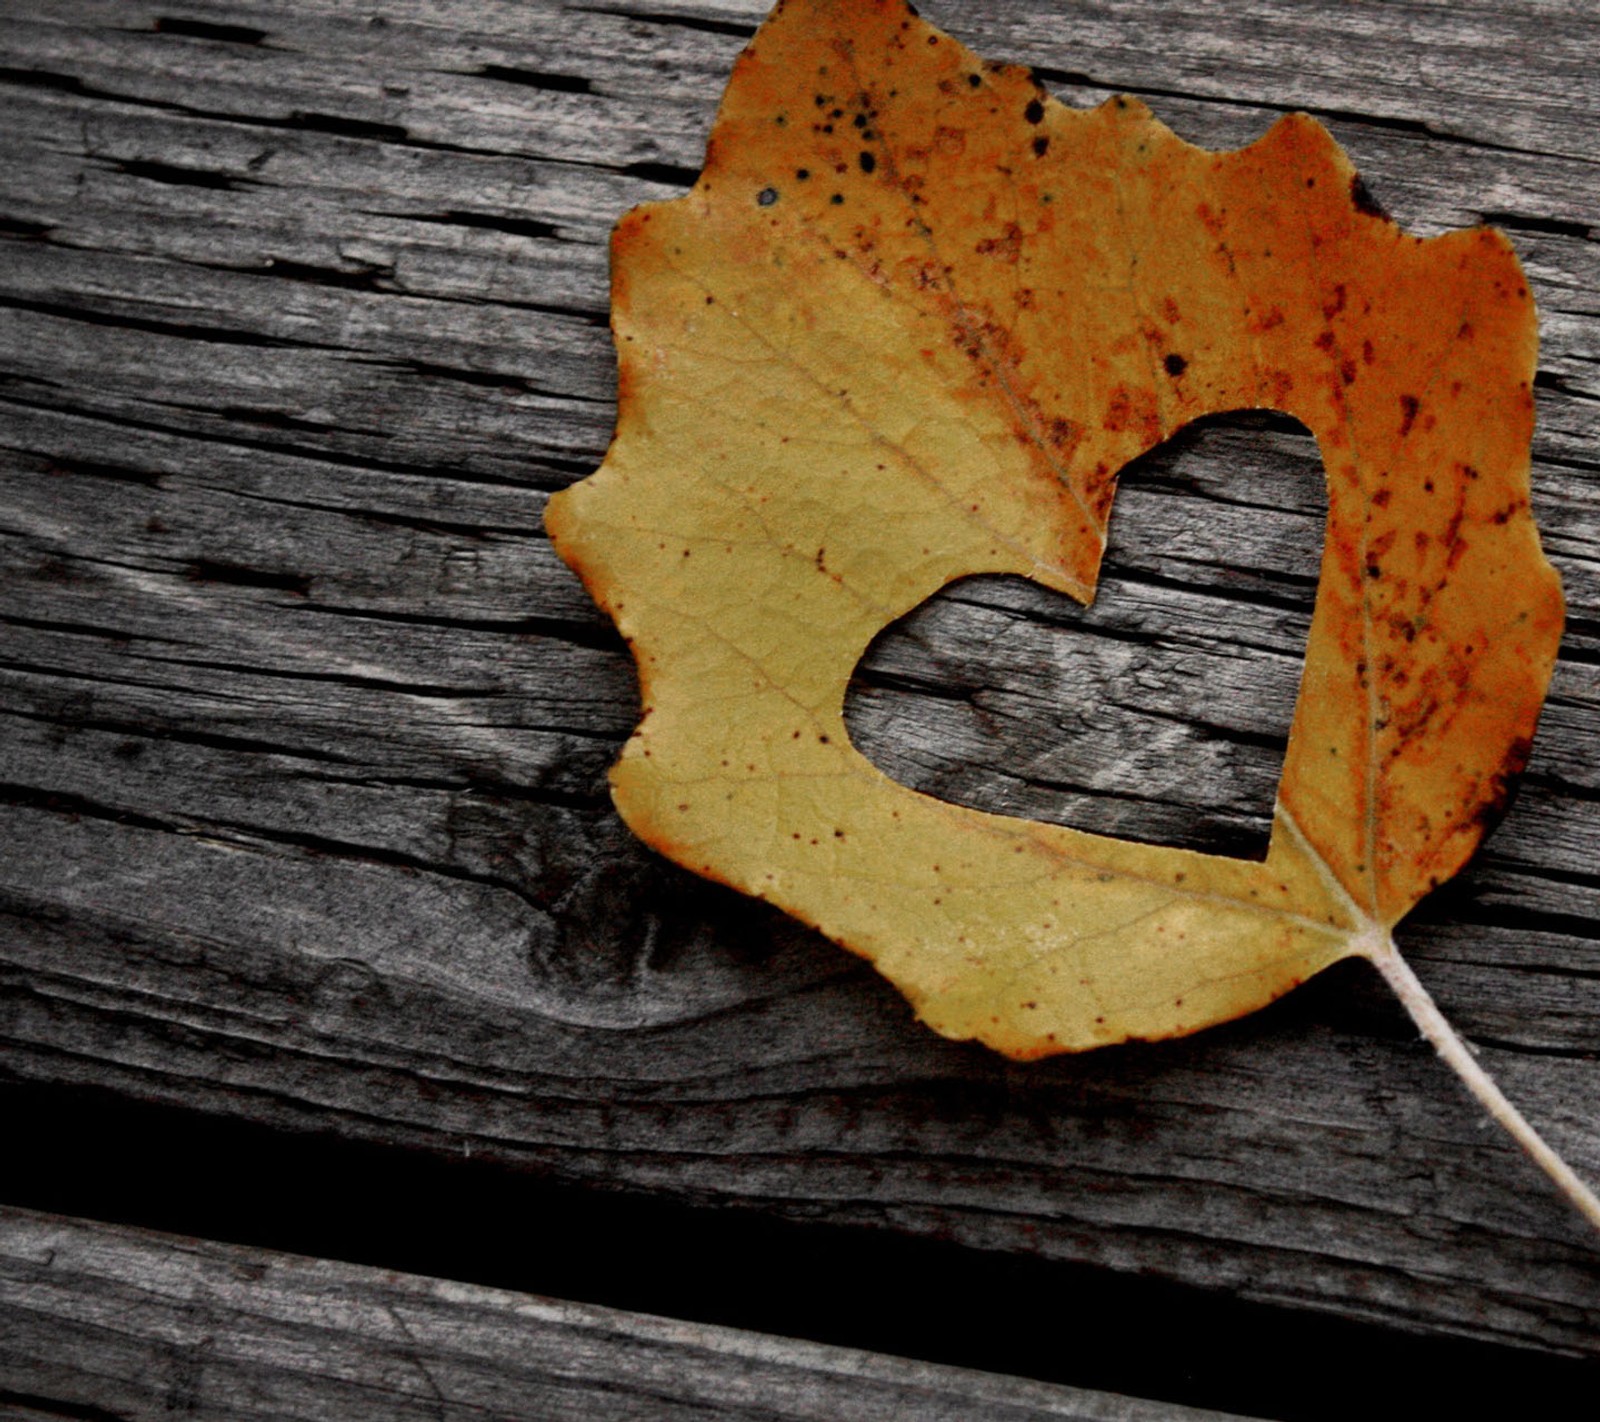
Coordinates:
[302,314]
[97,1321]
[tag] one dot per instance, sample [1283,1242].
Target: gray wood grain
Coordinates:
[140,1325]
[303,728]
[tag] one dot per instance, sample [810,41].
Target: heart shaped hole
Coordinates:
[1162,712]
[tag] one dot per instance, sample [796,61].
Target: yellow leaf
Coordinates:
[908,326]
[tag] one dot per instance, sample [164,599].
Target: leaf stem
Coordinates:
[1436,1028]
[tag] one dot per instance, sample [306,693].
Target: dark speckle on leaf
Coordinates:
[767,196]
[867,161]
[1041,146]
[1362,196]
[1175,364]
[1034,113]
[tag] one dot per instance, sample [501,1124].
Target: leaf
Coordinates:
[908,326]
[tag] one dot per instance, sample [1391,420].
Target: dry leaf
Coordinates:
[908,326]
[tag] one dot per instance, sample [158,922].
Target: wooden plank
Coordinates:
[101,1321]
[305,728]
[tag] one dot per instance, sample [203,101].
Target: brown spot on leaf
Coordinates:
[1362,197]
